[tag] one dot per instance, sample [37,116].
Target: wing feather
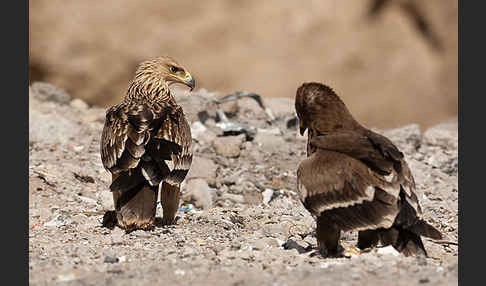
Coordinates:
[332,184]
[383,158]
[371,150]
[175,132]
[138,140]
[124,136]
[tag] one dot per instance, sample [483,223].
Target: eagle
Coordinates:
[355,179]
[146,145]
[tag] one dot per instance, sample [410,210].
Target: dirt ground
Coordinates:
[395,66]
[240,222]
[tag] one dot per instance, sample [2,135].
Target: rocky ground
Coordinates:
[240,222]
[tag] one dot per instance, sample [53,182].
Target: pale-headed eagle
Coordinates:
[355,179]
[146,144]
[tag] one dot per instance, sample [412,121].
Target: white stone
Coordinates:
[267,196]
[388,250]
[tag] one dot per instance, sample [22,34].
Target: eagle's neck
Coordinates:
[149,89]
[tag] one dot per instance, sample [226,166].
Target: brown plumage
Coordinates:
[146,143]
[355,179]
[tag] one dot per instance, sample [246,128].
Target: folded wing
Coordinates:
[139,144]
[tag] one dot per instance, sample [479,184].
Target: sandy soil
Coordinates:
[241,222]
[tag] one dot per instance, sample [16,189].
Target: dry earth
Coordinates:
[241,222]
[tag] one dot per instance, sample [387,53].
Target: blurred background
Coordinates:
[393,62]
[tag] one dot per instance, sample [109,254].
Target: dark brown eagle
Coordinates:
[355,179]
[146,144]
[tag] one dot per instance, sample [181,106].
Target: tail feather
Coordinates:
[136,208]
[422,228]
[134,199]
[126,181]
[409,243]
[408,240]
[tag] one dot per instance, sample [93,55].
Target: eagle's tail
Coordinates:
[405,233]
[404,241]
[422,228]
[135,201]
[408,240]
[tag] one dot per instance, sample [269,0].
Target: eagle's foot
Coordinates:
[335,252]
[169,220]
[351,251]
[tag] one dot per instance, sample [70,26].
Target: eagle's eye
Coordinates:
[173,69]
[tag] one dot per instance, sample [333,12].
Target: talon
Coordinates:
[348,252]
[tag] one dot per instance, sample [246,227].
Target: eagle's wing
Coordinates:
[139,140]
[343,189]
[387,164]
[375,150]
[124,136]
[173,141]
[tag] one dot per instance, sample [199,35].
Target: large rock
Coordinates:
[229,146]
[281,107]
[440,147]
[202,168]
[407,138]
[270,142]
[197,191]
[49,128]
[47,92]
[443,135]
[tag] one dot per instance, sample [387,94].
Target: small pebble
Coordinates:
[66,277]
[111,259]
[78,148]
[424,280]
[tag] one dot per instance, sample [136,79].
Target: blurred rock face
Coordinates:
[392,62]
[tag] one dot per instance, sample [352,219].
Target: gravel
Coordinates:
[243,223]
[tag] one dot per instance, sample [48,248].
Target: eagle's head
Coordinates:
[157,73]
[318,107]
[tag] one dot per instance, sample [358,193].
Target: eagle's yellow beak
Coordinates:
[187,80]
[302,127]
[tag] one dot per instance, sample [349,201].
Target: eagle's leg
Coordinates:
[327,237]
[368,238]
[135,208]
[169,198]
